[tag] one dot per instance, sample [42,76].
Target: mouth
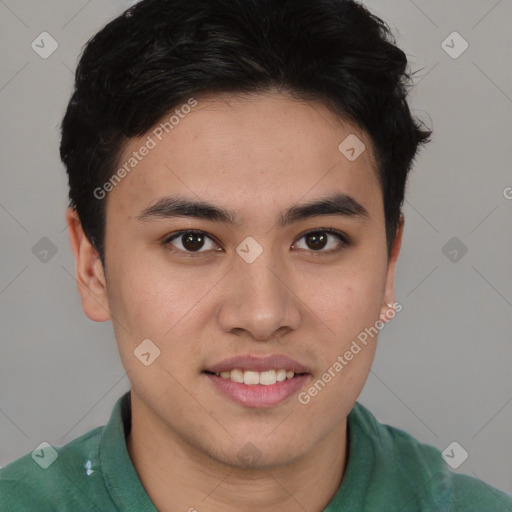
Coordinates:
[253,380]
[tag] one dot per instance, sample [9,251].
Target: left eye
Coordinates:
[319,239]
[192,241]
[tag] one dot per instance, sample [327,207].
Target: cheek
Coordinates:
[347,300]
[167,307]
[150,295]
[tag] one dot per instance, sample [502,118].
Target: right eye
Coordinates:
[191,241]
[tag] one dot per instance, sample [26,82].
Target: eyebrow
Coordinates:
[336,204]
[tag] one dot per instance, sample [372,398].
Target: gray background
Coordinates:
[442,370]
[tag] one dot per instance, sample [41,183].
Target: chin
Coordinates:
[262,454]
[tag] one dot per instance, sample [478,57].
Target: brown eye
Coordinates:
[190,242]
[316,240]
[320,239]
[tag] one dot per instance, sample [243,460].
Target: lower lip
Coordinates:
[258,395]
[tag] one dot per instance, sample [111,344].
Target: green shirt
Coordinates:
[388,470]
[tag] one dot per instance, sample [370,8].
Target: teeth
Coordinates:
[237,375]
[266,378]
[251,378]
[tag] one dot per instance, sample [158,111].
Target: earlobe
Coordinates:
[89,272]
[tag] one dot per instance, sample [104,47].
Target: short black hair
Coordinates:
[160,53]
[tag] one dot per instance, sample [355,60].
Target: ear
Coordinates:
[389,294]
[90,277]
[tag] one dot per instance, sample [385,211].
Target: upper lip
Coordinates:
[258,364]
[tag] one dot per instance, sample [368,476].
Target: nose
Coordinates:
[259,299]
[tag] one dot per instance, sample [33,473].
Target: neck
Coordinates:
[180,477]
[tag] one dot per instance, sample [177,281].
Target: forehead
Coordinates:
[249,151]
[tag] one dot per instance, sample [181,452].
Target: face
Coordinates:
[258,283]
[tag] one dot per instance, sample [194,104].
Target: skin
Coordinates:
[258,155]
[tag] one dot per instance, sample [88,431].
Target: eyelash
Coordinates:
[345,241]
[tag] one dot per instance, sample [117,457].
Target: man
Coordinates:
[237,170]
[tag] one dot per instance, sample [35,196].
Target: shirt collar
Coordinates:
[121,478]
